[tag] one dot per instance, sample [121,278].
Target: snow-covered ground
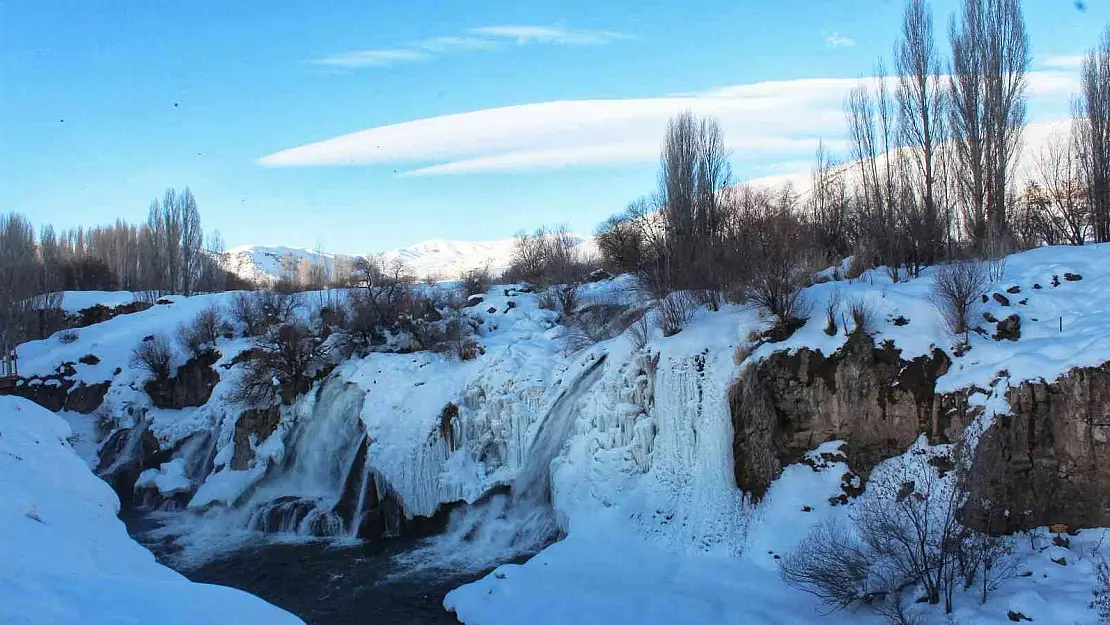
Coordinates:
[66,558]
[643,484]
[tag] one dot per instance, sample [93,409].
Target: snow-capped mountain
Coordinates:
[441,259]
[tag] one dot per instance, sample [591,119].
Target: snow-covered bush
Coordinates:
[154,355]
[562,298]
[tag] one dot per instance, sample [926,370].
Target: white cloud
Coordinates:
[836,40]
[764,123]
[1061,61]
[484,38]
[373,58]
[551,34]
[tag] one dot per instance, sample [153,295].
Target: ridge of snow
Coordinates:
[66,558]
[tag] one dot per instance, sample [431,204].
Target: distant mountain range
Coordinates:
[440,259]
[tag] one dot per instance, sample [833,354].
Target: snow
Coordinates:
[74,301]
[169,479]
[66,558]
[643,485]
[438,259]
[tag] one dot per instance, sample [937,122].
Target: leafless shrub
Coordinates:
[832,309]
[154,355]
[255,311]
[829,564]
[1101,601]
[956,292]
[284,360]
[862,312]
[640,331]
[986,562]
[69,336]
[562,298]
[547,256]
[675,312]
[595,323]
[202,332]
[475,281]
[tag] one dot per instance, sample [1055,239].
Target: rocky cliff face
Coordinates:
[1048,462]
[865,395]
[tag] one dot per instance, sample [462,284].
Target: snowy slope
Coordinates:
[66,558]
[439,259]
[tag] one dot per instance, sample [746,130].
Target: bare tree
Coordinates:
[1093,119]
[990,60]
[1064,198]
[829,564]
[920,99]
[284,363]
[202,332]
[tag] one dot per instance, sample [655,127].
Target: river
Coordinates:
[324,582]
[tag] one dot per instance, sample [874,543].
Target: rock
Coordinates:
[1008,329]
[597,275]
[1072,277]
[901,321]
[89,359]
[1017,616]
[1048,457]
[1001,299]
[989,317]
[257,423]
[985,298]
[1036,286]
[491,310]
[1055,280]
[191,386]
[474,300]
[1014,290]
[870,397]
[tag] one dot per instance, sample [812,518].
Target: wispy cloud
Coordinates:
[551,34]
[483,38]
[374,58]
[1061,61]
[837,40]
[767,122]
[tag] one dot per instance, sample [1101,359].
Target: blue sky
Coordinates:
[104,104]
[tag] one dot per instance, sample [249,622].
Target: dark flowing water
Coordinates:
[326,583]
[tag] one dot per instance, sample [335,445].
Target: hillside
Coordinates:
[439,259]
[639,448]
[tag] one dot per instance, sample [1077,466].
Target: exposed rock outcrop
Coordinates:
[59,391]
[256,423]
[1048,463]
[865,395]
[191,386]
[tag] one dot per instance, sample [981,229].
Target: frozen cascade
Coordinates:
[304,490]
[502,526]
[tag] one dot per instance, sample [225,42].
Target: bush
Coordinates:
[285,359]
[832,309]
[475,281]
[595,323]
[562,298]
[956,292]
[829,564]
[863,316]
[68,337]
[255,311]
[675,312]
[154,355]
[202,332]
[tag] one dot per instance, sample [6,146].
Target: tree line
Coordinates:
[930,176]
[169,253]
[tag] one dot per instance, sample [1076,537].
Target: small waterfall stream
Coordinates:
[507,525]
[302,495]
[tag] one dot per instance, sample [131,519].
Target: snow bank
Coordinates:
[66,558]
